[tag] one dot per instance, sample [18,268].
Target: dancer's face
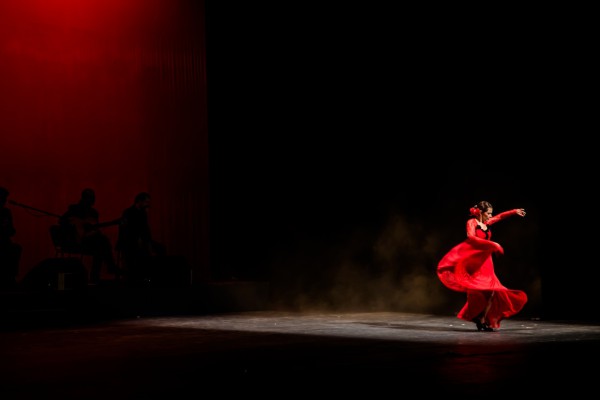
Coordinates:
[487,214]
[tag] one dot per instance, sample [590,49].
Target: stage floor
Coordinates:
[281,354]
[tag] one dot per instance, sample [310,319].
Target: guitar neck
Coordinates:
[14,203]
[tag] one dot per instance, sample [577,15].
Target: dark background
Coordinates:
[347,146]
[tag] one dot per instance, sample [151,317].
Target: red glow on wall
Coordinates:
[87,98]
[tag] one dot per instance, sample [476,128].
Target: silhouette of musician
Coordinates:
[10,252]
[135,242]
[80,224]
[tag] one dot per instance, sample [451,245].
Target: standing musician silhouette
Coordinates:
[135,242]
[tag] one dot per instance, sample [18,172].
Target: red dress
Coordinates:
[468,267]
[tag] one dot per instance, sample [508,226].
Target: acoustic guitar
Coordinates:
[86,227]
[82,227]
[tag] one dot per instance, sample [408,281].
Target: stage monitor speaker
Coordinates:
[66,273]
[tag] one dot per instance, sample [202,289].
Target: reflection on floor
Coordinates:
[277,354]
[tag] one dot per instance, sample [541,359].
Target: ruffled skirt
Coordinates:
[468,267]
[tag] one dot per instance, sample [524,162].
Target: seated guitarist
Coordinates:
[79,223]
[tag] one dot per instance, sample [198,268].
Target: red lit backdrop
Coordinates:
[108,94]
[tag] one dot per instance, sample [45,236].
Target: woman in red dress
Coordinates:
[468,267]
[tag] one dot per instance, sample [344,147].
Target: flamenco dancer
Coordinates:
[468,267]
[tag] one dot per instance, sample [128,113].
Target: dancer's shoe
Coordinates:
[482,326]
